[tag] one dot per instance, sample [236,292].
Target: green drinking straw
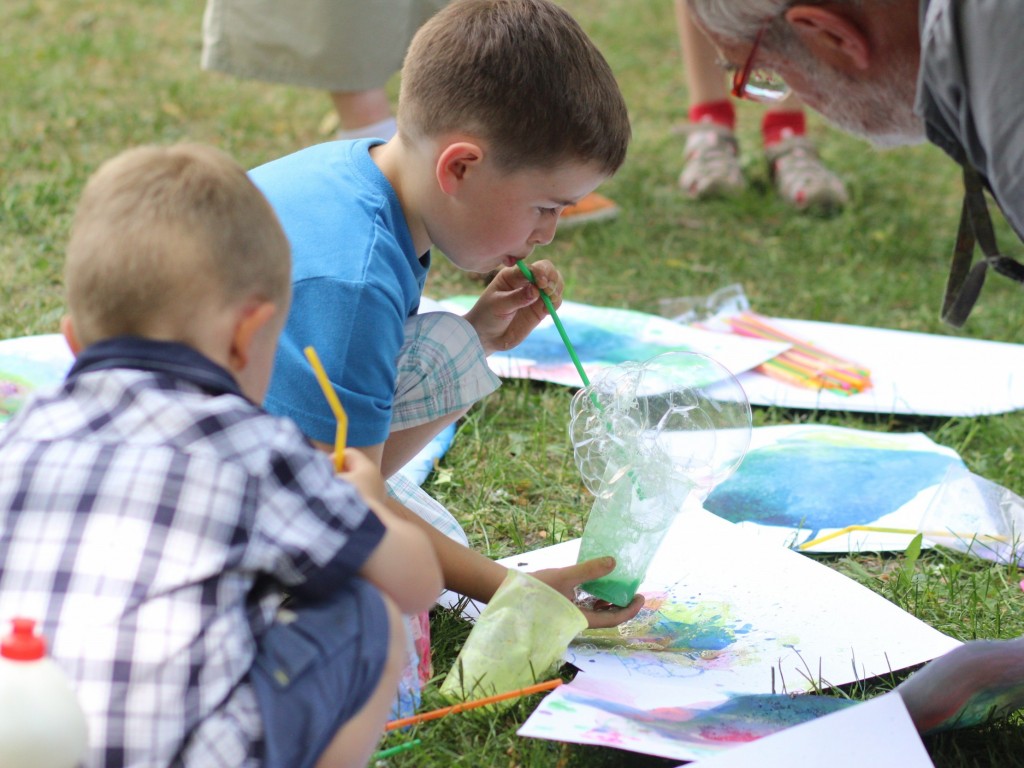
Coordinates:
[394,750]
[558,323]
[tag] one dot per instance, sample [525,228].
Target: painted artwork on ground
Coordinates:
[29,363]
[603,336]
[799,483]
[911,373]
[879,731]
[583,713]
[727,616]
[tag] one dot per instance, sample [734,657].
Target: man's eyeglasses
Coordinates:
[758,83]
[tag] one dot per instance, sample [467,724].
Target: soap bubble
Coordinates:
[677,423]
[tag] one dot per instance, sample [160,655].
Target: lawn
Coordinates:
[83,80]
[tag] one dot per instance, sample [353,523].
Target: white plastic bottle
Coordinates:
[41,721]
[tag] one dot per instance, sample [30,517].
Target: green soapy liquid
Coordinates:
[616,591]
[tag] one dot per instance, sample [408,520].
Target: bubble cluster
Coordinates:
[678,422]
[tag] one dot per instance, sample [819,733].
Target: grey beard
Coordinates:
[882,113]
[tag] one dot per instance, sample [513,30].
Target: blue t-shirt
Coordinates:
[356,278]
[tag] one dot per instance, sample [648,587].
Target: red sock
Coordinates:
[717,112]
[781,124]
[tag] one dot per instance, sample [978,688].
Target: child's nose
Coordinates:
[544,232]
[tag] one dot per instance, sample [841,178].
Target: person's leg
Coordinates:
[800,176]
[705,80]
[355,741]
[711,165]
[326,674]
[442,372]
[363,114]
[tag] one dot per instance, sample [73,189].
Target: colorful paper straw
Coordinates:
[395,750]
[803,364]
[438,713]
[341,433]
[558,323]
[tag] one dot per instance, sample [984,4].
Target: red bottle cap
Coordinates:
[23,644]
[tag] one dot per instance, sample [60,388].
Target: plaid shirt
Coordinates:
[150,516]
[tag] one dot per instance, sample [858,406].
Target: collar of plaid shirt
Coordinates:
[176,359]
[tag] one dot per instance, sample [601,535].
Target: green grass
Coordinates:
[83,80]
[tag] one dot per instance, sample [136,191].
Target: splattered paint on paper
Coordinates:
[675,637]
[665,625]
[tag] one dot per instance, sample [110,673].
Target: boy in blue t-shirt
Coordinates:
[153,516]
[507,114]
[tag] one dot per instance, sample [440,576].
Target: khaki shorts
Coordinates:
[333,45]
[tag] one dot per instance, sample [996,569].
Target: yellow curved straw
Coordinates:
[332,400]
[907,531]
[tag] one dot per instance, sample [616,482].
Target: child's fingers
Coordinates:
[549,280]
[589,570]
[353,460]
[612,616]
[546,274]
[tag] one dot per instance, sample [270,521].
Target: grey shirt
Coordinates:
[970,91]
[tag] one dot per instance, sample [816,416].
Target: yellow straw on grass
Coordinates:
[332,400]
[907,531]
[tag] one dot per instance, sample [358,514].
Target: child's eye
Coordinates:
[550,211]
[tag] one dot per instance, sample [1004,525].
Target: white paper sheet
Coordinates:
[911,373]
[862,735]
[739,617]
[804,482]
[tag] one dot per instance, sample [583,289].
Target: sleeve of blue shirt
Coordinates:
[352,328]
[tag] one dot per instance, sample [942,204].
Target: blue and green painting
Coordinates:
[666,625]
[29,363]
[827,477]
[603,337]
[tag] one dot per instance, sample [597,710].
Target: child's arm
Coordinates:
[511,306]
[403,565]
[463,570]
[470,573]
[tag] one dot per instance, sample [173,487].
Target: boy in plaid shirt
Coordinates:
[152,515]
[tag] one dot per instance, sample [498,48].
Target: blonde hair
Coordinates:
[161,231]
[521,74]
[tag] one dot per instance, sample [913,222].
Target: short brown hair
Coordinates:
[523,75]
[160,230]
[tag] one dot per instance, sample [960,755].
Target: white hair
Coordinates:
[741,20]
[738,20]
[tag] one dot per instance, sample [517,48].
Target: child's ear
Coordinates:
[454,162]
[67,328]
[251,320]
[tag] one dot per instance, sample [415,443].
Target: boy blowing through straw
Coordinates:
[507,114]
[152,515]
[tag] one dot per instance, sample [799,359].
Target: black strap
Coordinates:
[965,282]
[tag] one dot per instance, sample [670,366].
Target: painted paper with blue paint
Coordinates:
[800,482]
[727,616]
[27,364]
[685,731]
[605,336]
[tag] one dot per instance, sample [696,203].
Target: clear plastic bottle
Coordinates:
[41,722]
